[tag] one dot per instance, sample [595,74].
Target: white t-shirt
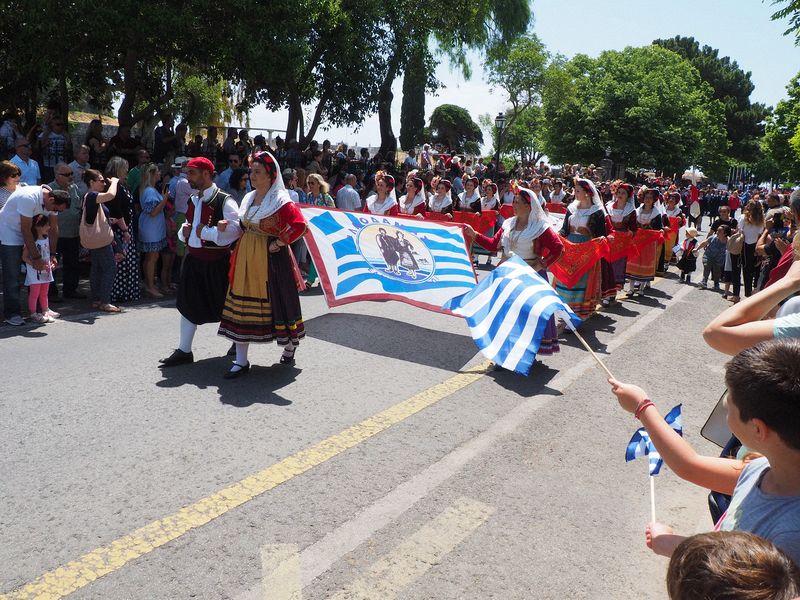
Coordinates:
[32,276]
[751,232]
[26,201]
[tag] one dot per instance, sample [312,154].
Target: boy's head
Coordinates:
[723,232]
[764,384]
[731,564]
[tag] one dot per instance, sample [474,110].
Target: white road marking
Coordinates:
[317,558]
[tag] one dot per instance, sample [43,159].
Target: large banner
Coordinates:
[367,257]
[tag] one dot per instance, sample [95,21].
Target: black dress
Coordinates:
[126,283]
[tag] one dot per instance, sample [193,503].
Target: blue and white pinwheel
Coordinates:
[641,445]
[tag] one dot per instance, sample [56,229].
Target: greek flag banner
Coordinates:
[641,445]
[367,257]
[507,314]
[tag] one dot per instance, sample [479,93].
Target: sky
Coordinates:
[741,29]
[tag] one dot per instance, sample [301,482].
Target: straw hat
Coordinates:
[691,232]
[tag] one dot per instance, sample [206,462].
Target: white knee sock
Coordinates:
[187,334]
[288,349]
[241,353]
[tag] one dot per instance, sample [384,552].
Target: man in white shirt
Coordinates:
[31,174]
[348,198]
[79,166]
[181,191]
[208,236]
[16,218]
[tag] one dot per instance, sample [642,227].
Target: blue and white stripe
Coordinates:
[507,314]
[350,277]
[641,444]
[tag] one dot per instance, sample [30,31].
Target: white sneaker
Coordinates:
[52,314]
[16,321]
[49,319]
[38,318]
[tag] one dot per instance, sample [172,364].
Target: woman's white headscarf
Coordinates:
[418,199]
[597,203]
[630,206]
[380,208]
[538,221]
[437,205]
[276,197]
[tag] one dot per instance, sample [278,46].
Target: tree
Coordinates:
[481,25]
[452,125]
[744,121]
[523,137]
[412,110]
[791,10]
[781,144]
[649,105]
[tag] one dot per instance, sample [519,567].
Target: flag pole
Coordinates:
[652,499]
[585,345]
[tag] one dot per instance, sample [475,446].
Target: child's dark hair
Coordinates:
[725,228]
[38,221]
[764,383]
[731,564]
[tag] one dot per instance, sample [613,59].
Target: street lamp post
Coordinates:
[500,123]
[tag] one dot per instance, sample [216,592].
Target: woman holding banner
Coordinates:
[470,194]
[529,235]
[442,201]
[384,201]
[262,303]
[622,210]
[585,220]
[488,201]
[413,204]
[642,269]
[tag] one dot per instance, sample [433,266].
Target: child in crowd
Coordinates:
[731,564]
[714,256]
[688,260]
[763,407]
[38,281]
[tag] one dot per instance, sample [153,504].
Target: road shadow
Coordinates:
[619,309]
[313,291]
[23,331]
[394,339]
[535,384]
[588,331]
[257,387]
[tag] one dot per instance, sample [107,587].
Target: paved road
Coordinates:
[467,483]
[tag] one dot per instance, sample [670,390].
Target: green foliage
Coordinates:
[524,137]
[649,105]
[198,102]
[412,109]
[791,10]
[518,69]
[781,143]
[744,121]
[453,126]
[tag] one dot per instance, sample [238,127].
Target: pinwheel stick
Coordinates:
[585,345]
[652,499]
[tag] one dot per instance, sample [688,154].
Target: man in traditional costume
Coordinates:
[211,227]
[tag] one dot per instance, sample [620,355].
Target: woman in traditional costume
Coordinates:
[383,201]
[470,194]
[585,220]
[622,211]
[674,210]
[641,269]
[529,235]
[487,202]
[441,202]
[262,303]
[413,203]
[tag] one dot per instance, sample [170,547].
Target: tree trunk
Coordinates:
[295,108]
[129,87]
[63,92]
[385,97]
[315,122]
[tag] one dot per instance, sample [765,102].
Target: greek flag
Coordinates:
[368,257]
[507,314]
[641,445]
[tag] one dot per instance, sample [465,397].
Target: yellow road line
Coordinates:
[425,548]
[107,559]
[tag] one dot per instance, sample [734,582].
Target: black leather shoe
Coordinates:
[179,357]
[243,370]
[288,360]
[232,350]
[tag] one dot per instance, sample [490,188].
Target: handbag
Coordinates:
[736,243]
[98,234]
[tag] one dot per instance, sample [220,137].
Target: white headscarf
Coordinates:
[380,208]
[408,208]
[597,204]
[437,205]
[630,206]
[276,197]
[489,203]
[538,222]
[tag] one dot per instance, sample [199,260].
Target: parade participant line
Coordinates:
[112,557]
